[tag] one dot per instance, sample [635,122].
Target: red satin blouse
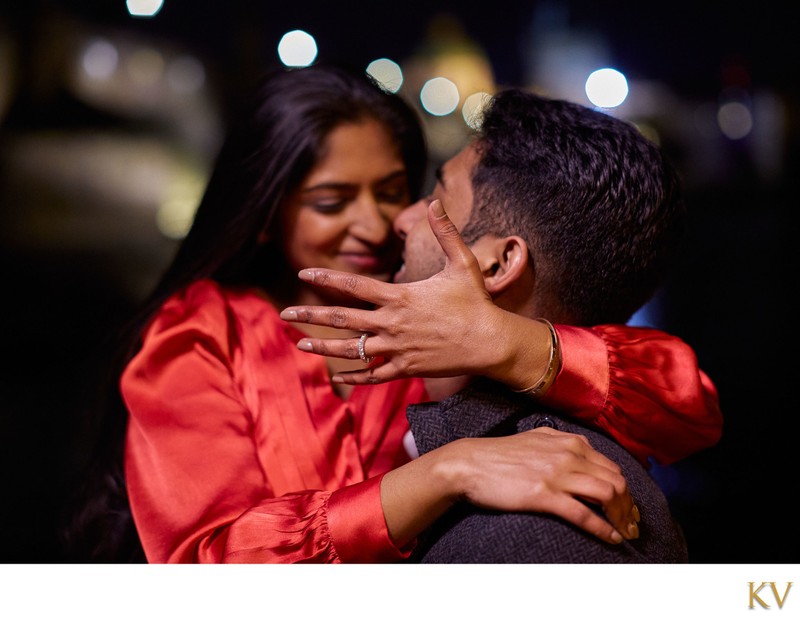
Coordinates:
[238,449]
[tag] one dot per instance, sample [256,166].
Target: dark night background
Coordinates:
[79,246]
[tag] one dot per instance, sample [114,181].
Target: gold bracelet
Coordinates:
[539,388]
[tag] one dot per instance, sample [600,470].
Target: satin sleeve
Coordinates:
[197,490]
[642,386]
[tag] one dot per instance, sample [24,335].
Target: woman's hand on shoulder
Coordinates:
[547,471]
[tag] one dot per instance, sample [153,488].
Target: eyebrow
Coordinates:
[337,186]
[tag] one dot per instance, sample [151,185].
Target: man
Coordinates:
[572,216]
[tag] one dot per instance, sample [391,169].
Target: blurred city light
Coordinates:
[146,66]
[387,73]
[178,206]
[439,96]
[100,59]
[297,49]
[185,75]
[606,88]
[144,8]
[735,120]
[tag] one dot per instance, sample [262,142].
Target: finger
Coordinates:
[582,516]
[336,317]
[378,371]
[604,490]
[598,458]
[583,448]
[447,235]
[362,287]
[344,348]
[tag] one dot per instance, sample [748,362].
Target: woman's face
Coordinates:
[341,215]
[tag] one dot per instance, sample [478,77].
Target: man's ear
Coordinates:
[503,261]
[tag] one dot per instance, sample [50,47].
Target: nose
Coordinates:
[409,217]
[370,222]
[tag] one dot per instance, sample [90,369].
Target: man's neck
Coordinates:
[440,389]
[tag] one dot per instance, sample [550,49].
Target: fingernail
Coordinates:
[616,537]
[636,515]
[633,530]
[304,345]
[438,209]
[306,275]
[288,314]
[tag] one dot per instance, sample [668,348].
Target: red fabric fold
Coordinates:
[650,394]
[236,439]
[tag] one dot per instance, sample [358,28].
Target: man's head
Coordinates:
[597,207]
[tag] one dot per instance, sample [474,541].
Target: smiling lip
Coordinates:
[365,262]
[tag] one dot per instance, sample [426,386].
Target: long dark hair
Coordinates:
[273,143]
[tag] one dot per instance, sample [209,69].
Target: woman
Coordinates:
[238,446]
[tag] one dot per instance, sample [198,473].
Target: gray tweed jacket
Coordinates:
[472,535]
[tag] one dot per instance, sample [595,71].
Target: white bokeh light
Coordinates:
[100,59]
[606,88]
[387,73]
[735,120]
[297,49]
[439,96]
[473,107]
[144,8]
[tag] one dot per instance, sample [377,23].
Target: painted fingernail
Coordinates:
[636,515]
[288,314]
[616,537]
[304,345]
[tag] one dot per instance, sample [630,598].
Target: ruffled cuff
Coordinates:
[357,525]
[581,387]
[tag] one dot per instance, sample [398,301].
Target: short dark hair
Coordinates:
[599,205]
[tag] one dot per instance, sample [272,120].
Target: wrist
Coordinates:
[545,381]
[451,470]
[525,352]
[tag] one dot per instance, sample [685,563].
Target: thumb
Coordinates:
[446,233]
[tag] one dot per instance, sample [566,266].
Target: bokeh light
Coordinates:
[144,8]
[178,206]
[735,120]
[297,49]
[439,96]
[185,75]
[100,59]
[606,88]
[473,107]
[146,66]
[387,73]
